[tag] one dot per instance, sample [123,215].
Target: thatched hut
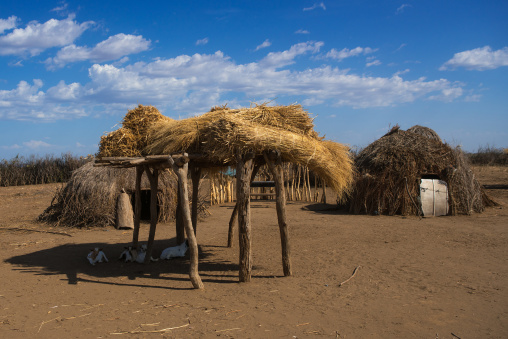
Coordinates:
[89,199]
[391,169]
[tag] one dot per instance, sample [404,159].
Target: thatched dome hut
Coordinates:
[89,199]
[391,168]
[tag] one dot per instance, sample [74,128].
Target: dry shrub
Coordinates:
[89,198]
[390,169]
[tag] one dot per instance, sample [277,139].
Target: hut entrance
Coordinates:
[145,204]
[434,197]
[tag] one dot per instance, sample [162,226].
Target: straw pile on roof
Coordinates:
[130,139]
[90,196]
[390,169]
[222,132]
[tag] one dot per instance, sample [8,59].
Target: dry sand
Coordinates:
[443,277]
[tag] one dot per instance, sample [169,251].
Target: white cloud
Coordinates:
[203,41]
[401,8]
[63,7]
[302,31]
[281,59]
[36,37]
[265,44]
[36,144]
[479,59]
[194,83]
[112,48]
[7,24]
[347,53]
[373,63]
[316,5]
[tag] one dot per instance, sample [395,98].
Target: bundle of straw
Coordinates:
[131,138]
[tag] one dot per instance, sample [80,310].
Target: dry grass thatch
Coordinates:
[425,131]
[222,132]
[90,196]
[390,169]
[131,138]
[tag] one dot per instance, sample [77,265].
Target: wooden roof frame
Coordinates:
[247,166]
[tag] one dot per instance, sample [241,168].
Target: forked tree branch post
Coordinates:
[243,175]
[153,177]
[274,162]
[181,167]
[234,214]
[196,177]
[137,206]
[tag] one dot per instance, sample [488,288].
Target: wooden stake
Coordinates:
[274,163]
[137,206]
[196,177]
[181,170]
[234,215]
[243,175]
[153,177]
[180,227]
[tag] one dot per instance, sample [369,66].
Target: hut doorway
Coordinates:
[433,196]
[145,204]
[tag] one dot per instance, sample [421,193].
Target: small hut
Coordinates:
[391,170]
[89,199]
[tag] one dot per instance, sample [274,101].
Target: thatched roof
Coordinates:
[219,134]
[89,197]
[390,169]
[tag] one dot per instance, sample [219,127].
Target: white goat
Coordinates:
[175,251]
[132,254]
[96,255]
[128,254]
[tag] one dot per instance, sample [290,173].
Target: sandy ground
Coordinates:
[443,277]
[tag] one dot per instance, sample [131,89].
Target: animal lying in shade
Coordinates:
[131,254]
[175,251]
[96,255]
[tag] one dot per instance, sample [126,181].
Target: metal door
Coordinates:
[434,197]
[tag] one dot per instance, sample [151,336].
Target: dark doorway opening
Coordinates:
[145,204]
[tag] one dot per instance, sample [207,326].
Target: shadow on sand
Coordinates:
[70,260]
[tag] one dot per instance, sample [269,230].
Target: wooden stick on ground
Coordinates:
[351,277]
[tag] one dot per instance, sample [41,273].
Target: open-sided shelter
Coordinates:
[244,138]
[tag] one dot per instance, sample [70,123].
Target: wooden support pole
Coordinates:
[179,224]
[274,163]
[181,170]
[153,177]
[196,177]
[137,206]
[234,215]
[243,175]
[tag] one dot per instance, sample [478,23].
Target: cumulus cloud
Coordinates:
[347,53]
[302,31]
[479,59]
[7,24]
[203,41]
[373,63]
[112,48]
[194,83]
[265,44]
[37,37]
[316,5]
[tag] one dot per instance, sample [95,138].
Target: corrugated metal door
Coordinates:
[434,197]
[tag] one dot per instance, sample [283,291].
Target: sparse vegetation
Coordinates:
[39,170]
[489,156]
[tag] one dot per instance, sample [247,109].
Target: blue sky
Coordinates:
[70,70]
